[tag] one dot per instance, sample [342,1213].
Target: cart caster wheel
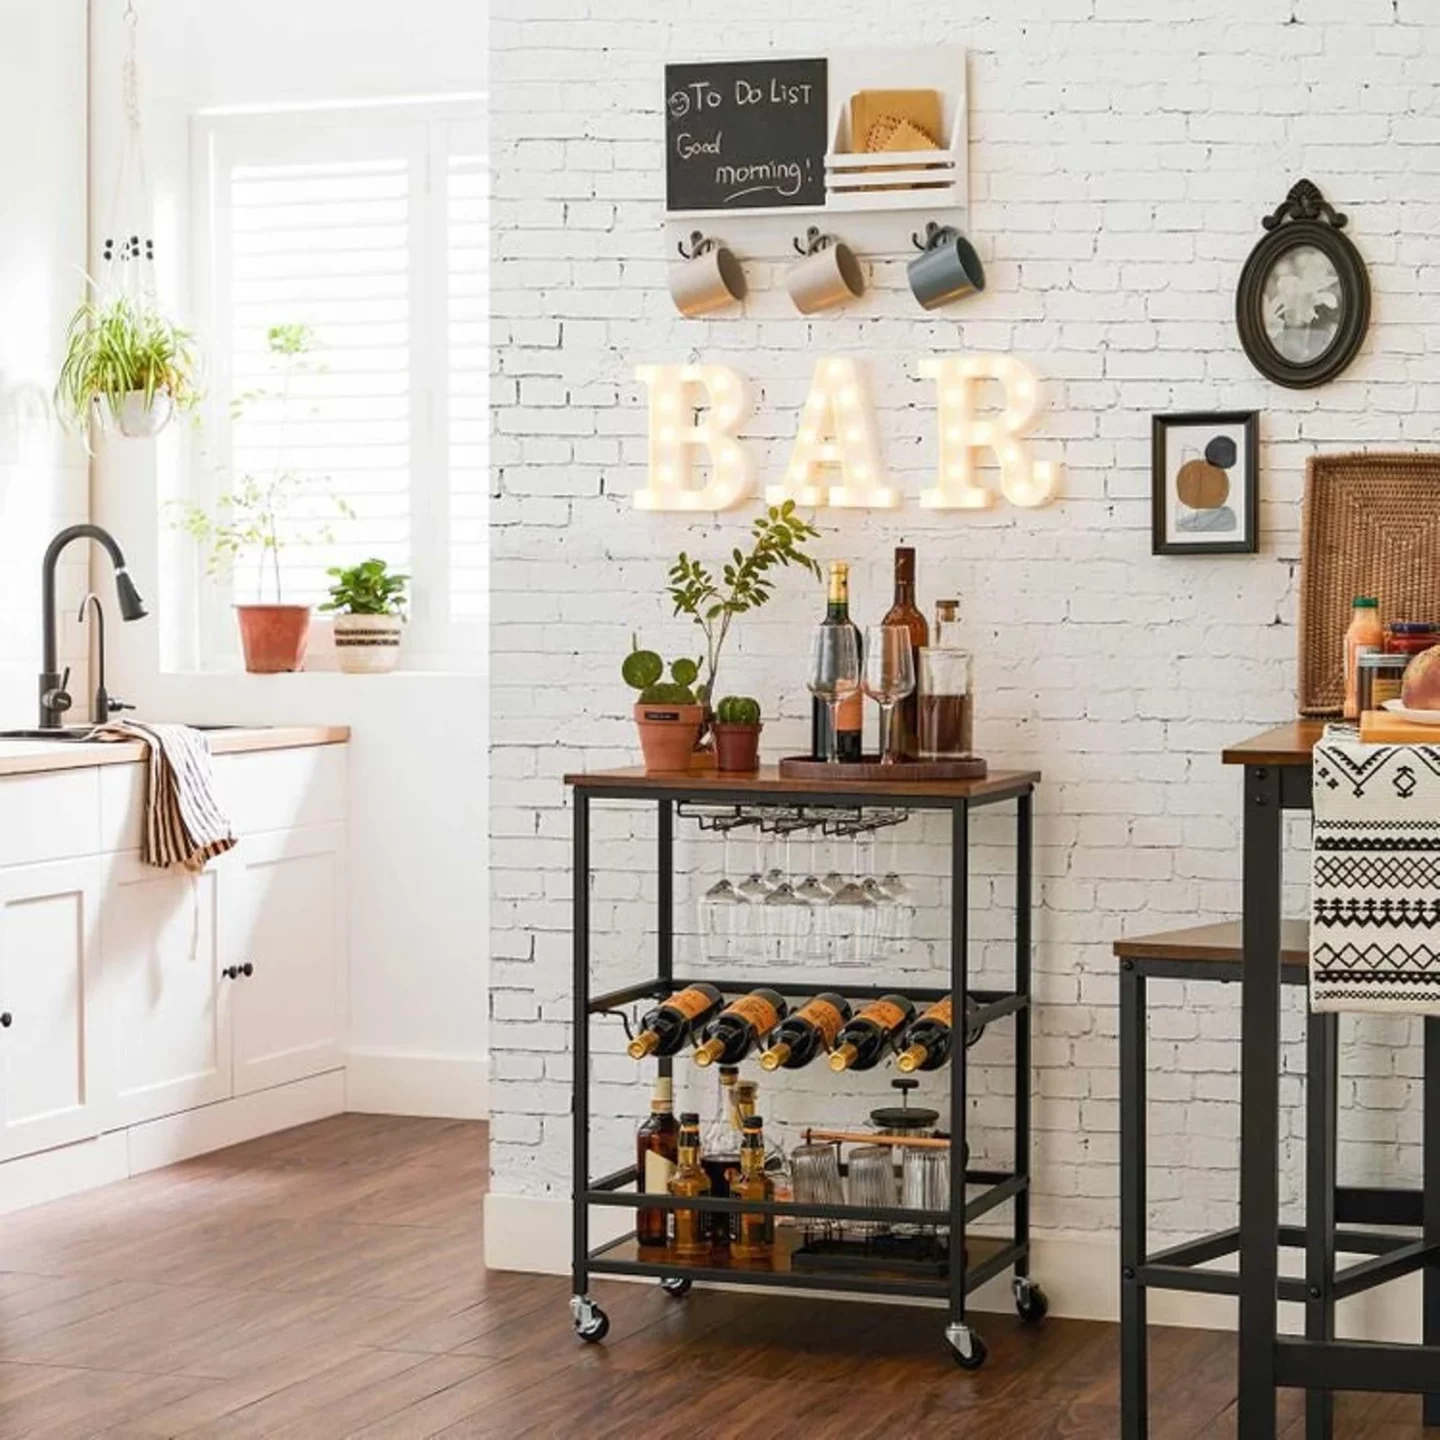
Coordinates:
[591,1323]
[967,1349]
[1031,1303]
[676,1289]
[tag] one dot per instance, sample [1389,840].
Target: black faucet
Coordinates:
[54,701]
[104,704]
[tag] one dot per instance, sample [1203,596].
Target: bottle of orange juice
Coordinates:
[1365,634]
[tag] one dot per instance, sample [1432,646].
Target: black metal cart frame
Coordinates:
[619,1189]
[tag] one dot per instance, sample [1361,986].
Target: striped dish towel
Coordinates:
[184,824]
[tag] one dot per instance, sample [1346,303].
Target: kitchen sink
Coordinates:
[78,734]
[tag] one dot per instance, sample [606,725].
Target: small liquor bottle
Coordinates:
[720,1151]
[808,1032]
[689,1238]
[905,718]
[850,720]
[738,1028]
[656,1151]
[667,1027]
[864,1039]
[753,1235]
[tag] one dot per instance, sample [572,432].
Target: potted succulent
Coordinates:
[737,730]
[251,521]
[126,364]
[368,603]
[667,714]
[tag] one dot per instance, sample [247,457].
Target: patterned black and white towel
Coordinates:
[1375,876]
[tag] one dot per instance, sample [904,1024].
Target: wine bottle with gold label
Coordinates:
[740,1026]
[867,1035]
[807,1032]
[929,1040]
[753,1236]
[667,1027]
[850,717]
[657,1144]
[689,1236]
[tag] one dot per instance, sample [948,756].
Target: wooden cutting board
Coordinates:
[1380,727]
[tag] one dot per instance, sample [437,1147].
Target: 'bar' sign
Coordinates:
[745,135]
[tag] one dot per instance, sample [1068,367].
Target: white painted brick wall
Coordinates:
[1122,155]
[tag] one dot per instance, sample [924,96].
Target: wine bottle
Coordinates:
[753,1236]
[905,718]
[929,1040]
[689,1235]
[862,1042]
[739,1027]
[667,1027]
[851,714]
[656,1154]
[807,1032]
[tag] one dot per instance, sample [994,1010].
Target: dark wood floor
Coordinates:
[328,1282]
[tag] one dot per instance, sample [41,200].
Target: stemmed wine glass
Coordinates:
[889,675]
[834,674]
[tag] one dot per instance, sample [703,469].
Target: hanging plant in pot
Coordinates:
[368,603]
[252,523]
[127,366]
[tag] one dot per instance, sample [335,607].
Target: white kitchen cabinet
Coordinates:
[282,902]
[54,1072]
[167,1007]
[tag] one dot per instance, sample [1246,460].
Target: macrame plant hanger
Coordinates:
[128,244]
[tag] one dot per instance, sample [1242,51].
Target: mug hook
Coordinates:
[700,243]
[815,241]
[935,235]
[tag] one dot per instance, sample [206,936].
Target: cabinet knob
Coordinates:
[247,968]
[231,972]
[6,1019]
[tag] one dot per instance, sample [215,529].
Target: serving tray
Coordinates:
[869,769]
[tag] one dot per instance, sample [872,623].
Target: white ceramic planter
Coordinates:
[139,420]
[368,644]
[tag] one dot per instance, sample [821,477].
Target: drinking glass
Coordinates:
[834,674]
[889,675]
[815,1176]
[925,1179]
[870,1181]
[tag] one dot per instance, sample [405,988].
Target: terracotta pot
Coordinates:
[273,636]
[368,644]
[668,734]
[737,747]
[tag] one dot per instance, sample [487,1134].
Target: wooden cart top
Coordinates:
[767,782]
[1284,745]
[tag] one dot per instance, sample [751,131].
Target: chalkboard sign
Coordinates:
[742,135]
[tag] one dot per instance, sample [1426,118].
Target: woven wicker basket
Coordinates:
[1371,527]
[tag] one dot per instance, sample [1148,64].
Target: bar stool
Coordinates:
[1213,953]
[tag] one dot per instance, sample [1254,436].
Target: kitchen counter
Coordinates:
[33,757]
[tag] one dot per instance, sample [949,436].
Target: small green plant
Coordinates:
[117,347]
[369,588]
[738,710]
[643,670]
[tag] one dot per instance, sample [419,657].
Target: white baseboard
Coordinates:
[387,1082]
[1079,1273]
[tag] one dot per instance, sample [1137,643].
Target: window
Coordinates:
[344,304]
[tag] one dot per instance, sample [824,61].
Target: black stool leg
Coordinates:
[1134,1400]
[1431,1331]
[1322,1045]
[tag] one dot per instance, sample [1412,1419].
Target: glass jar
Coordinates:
[1380,677]
[1410,637]
[945,684]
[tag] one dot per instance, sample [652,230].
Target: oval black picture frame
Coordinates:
[1305,218]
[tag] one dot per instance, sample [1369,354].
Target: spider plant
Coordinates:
[120,346]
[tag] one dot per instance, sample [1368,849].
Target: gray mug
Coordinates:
[946,269]
[828,276]
[708,278]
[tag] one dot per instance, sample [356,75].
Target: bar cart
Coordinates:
[984,1257]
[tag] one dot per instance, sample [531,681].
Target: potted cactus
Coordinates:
[737,733]
[667,715]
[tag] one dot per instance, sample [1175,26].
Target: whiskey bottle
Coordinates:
[928,1041]
[865,1037]
[905,718]
[657,1148]
[689,1237]
[753,1236]
[668,1026]
[850,717]
[808,1032]
[738,1028]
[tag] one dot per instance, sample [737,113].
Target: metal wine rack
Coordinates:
[781,806]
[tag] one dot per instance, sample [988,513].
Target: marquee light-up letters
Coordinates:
[837,432]
[675,435]
[838,438]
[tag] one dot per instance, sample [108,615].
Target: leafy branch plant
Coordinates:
[746,580]
[369,588]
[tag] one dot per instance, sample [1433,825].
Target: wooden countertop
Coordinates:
[767,780]
[1284,745]
[33,757]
